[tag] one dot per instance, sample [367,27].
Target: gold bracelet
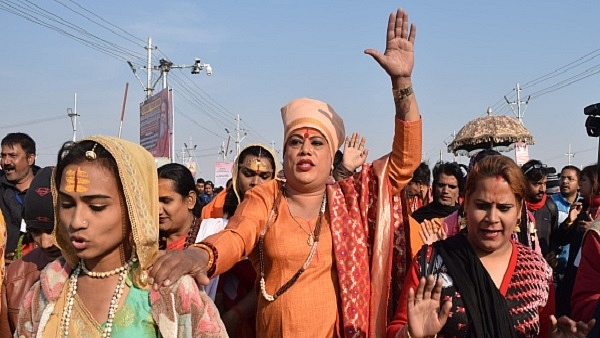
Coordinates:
[211,255]
[402,94]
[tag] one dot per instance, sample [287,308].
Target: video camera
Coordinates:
[592,123]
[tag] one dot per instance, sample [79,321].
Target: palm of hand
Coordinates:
[398,59]
[353,158]
[423,318]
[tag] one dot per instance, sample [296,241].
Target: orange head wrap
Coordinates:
[309,113]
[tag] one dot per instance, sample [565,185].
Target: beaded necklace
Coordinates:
[189,239]
[114,302]
[193,233]
[313,249]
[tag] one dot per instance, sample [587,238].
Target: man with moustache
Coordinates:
[24,272]
[541,206]
[18,165]
[448,185]
[569,194]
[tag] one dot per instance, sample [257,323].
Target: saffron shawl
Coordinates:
[368,234]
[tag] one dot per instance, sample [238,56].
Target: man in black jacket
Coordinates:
[541,206]
[18,165]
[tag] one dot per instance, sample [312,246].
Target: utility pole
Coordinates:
[187,152]
[447,143]
[238,131]
[570,154]
[149,89]
[453,154]
[224,150]
[164,67]
[518,113]
[72,113]
[273,147]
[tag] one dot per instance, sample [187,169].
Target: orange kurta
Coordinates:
[310,300]
[310,308]
[214,209]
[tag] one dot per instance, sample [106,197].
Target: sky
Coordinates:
[468,55]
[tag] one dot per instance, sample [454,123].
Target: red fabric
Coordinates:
[594,206]
[348,211]
[401,318]
[26,248]
[178,244]
[537,205]
[586,292]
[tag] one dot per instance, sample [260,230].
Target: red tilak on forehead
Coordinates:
[306,133]
[75,183]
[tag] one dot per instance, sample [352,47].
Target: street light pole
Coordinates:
[72,113]
[164,67]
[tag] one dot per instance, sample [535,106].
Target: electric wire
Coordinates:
[35,13]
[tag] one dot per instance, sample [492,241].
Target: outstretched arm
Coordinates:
[398,61]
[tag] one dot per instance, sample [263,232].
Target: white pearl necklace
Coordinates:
[114,302]
[106,274]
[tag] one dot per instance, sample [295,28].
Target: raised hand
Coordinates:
[564,327]
[574,211]
[431,232]
[398,59]
[355,153]
[425,316]
[584,224]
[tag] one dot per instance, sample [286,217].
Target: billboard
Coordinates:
[223,172]
[156,124]
[192,167]
[521,153]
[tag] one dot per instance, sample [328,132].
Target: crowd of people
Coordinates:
[324,244]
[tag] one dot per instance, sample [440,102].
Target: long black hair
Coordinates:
[183,182]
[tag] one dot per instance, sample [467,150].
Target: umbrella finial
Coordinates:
[489,111]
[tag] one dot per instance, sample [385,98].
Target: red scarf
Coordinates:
[534,206]
[594,205]
[178,244]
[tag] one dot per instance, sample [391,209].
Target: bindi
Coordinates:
[77,180]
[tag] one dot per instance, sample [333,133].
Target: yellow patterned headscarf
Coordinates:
[139,179]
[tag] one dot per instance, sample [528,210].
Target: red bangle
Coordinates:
[213,255]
